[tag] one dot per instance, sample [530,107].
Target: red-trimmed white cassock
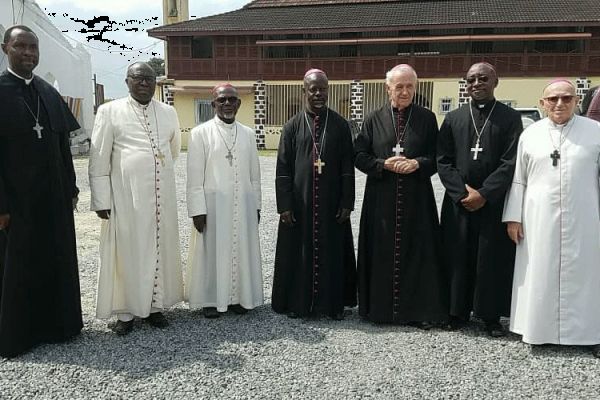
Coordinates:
[224,264]
[556,286]
[131,174]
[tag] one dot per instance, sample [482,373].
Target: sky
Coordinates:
[110,61]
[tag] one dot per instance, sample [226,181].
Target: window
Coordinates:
[202,47]
[510,103]
[204,111]
[445,105]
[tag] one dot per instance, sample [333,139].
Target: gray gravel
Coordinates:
[264,355]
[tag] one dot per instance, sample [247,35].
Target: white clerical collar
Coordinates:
[27,81]
[138,104]
[561,126]
[223,123]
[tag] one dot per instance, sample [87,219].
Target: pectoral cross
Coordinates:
[319,164]
[555,156]
[229,158]
[38,128]
[398,150]
[476,150]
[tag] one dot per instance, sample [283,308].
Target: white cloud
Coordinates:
[104,7]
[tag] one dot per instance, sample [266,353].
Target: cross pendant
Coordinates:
[229,158]
[38,128]
[476,150]
[398,150]
[319,164]
[555,156]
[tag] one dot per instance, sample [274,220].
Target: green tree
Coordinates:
[158,65]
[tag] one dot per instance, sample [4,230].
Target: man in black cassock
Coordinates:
[400,279]
[476,157]
[39,280]
[315,267]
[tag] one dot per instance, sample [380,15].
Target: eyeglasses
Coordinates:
[472,79]
[223,100]
[140,78]
[554,99]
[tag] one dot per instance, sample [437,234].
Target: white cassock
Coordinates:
[556,286]
[224,265]
[140,262]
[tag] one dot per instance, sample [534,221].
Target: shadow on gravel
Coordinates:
[556,351]
[225,343]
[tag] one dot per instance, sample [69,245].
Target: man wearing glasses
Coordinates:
[476,154]
[552,212]
[224,201]
[134,144]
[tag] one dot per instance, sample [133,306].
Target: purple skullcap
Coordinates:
[557,80]
[315,71]
[222,85]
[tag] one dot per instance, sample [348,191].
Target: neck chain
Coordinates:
[37,128]
[477,149]
[144,122]
[229,155]
[318,150]
[555,155]
[399,149]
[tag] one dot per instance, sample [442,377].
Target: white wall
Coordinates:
[68,68]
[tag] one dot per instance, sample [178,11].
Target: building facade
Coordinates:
[266,47]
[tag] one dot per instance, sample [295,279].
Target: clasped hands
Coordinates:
[401,165]
[473,201]
[288,218]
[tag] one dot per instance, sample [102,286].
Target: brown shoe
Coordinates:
[157,320]
[238,309]
[122,328]
[211,312]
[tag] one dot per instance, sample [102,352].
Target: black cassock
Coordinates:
[39,280]
[478,253]
[399,272]
[315,266]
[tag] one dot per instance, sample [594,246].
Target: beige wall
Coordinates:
[522,92]
[184,103]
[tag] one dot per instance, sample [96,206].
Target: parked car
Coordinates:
[529,115]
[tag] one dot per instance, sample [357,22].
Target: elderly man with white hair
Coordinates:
[400,278]
[552,212]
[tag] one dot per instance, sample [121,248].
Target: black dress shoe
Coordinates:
[423,325]
[292,315]
[454,323]
[157,320]
[122,328]
[211,312]
[338,316]
[495,329]
[238,309]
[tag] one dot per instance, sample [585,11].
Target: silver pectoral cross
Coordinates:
[476,150]
[229,158]
[319,164]
[38,128]
[398,150]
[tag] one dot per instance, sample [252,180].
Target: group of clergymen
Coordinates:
[536,192]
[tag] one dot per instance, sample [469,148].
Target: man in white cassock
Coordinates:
[224,199]
[552,213]
[134,144]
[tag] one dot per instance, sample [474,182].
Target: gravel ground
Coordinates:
[264,355]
